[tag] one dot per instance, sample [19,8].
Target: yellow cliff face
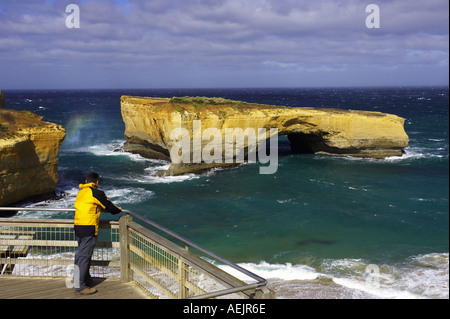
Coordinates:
[29,150]
[150,123]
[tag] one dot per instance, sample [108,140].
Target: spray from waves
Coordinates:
[150,172]
[112,148]
[64,201]
[282,271]
[77,127]
[122,196]
[410,153]
[130,195]
[421,277]
[414,153]
[152,177]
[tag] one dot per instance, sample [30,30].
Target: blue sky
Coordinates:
[222,43]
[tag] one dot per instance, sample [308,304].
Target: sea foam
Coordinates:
[422,277]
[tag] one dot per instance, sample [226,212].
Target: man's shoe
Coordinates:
[86,291]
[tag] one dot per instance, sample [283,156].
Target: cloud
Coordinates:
[141,38]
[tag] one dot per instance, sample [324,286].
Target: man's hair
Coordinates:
[92,177]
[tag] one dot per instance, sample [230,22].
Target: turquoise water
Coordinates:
[317,217]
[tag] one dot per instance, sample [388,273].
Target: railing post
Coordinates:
[124,235]
[183,273]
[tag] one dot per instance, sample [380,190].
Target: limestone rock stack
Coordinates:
[29,149]
[149,123]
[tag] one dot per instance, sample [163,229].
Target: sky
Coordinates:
[223,43]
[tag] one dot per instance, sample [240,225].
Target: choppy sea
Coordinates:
[320,227]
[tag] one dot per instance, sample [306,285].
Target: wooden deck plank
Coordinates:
[55,288]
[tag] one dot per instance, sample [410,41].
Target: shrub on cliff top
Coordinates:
[5,132]
[201,100]
[2,100]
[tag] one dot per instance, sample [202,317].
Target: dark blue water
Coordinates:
[317,217]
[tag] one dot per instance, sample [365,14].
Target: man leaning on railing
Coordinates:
[90,202]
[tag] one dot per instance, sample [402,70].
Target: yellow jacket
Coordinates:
[90,202]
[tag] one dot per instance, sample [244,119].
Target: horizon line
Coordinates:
[232,88]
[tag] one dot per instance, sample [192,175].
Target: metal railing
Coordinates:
[164,265]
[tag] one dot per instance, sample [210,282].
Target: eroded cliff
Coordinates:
[150,124]
[29,149]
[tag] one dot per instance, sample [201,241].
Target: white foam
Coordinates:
[151,176]
[413,153]
[376,291]
[279,271]
[410,153]
[428,275]
[112,148]
[285,201]
[424,276]
[119,196]
[130,195]
[106,149]
[66,201]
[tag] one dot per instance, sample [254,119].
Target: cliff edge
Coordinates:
[150,124]
[29,149]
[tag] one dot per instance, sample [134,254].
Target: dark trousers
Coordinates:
[83,256]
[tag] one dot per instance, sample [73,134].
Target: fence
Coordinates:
[161,262]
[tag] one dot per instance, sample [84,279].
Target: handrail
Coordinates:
[260,281]
[31,209]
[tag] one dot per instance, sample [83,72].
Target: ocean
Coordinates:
[320,227]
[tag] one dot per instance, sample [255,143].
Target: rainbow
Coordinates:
[77,126]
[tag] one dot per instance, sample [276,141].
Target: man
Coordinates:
[89,203]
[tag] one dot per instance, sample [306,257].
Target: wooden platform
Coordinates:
[55,288]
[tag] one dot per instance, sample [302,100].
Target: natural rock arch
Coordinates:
[149,123]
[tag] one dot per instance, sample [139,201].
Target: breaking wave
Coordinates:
[421,277]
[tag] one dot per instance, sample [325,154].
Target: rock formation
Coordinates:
[150,123]
[29,150]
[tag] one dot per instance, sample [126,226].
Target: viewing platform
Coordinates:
[134,258]
[55,288]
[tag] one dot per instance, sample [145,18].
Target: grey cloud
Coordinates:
[232,35]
